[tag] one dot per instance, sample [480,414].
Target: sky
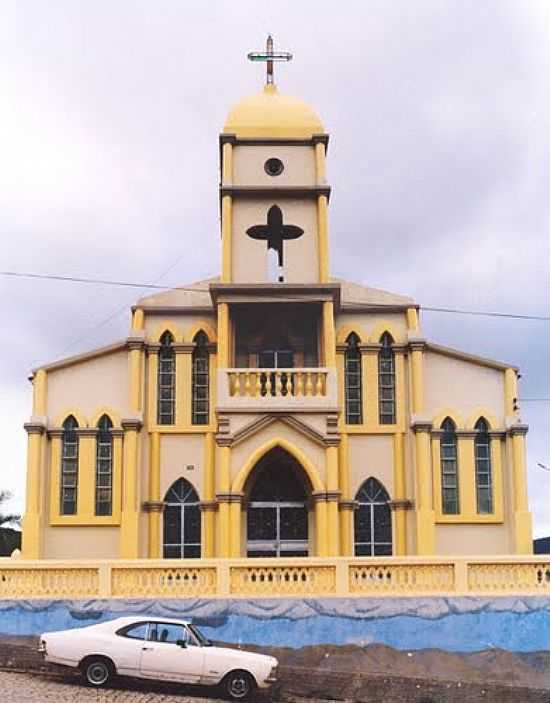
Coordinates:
[439,119]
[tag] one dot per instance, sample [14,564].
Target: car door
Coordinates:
[163,658]
[126,647]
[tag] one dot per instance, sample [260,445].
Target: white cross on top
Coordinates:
[269,56]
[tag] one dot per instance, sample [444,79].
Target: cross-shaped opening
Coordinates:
[275,233]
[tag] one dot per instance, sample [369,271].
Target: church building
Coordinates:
[275,411]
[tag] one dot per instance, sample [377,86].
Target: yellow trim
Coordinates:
[346,516]
[181,429]
[204,326]
[40,393]
[138,319]
[380,329]
[152,396]
[400,395]
[227,237]
[369,363]
[248,466]
[425,517]
[479,413]
[442,415]
[322,227]
[510,391]
[333,536]
[108,410]
[223,335]
[321,526]
[467,476]
[209,489]
[235,529]
[412,319]
[345,331]
[400,493]
[224,522]
[79,417]
[328,334]
[184,388]
[32,529]
[227,163]
[154,495]
[320,163]
[167,326]
[417,379]
[135,376]
[129,527]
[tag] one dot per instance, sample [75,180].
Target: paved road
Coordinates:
[37,688]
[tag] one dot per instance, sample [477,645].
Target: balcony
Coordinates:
[311,389]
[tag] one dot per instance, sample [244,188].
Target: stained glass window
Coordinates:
[166,381]
[201,380]
[69,467]
[449,469]
[386,381]
[353,382]
[484,478]
[104,468]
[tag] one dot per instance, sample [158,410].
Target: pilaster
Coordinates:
[209,515]
[523,527]
[129,527]
[425,515]
[32,526]
[154,496]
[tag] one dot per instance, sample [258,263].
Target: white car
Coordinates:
[157,648]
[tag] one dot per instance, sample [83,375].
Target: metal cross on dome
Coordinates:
[269,56]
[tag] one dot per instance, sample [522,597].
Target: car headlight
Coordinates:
[273,673]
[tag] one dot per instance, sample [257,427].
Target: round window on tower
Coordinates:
[274,167]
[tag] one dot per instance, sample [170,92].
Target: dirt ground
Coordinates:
[371,674]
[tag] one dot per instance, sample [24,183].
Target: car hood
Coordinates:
[242,654]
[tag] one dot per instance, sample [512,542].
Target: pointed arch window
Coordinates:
[353,381]
[484,474]
[104,467]
[386,381]
[69,467]
[201,380]
[449,469]
[373,532]
[166,381]
[182,522]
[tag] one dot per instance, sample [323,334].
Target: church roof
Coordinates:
[197,295]
[268,114]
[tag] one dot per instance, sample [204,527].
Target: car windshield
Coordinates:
[203,641]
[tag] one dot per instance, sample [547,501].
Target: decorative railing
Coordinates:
[299,387]
[269,578]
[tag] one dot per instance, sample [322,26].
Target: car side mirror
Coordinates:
[181,643]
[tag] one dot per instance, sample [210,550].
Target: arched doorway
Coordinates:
[182,522]
[277,515]
[373,533]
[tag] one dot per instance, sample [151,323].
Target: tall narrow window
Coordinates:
[201,384]
[484,477]
[449,469]
[69,467]
[352,371]
[386,381]
[104,468]
[373,535]
[182,521]
[166,381]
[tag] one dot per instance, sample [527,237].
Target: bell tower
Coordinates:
[274,194]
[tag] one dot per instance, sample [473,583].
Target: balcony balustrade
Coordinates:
[263,389]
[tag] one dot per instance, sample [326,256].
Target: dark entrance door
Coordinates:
[277,518]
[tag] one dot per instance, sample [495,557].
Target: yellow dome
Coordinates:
[269,114]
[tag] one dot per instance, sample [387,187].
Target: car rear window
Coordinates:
[137,631]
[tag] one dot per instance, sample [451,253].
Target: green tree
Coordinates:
[10,538]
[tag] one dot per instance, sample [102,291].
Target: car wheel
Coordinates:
[238,685]
[97,671]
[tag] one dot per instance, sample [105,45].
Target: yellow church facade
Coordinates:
[275,411]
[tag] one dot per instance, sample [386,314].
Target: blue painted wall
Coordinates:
[452,624]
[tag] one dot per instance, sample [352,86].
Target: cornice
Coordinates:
[183,347]
[208,506]
[403,504]
[35,427]
[86,431]
[272,191]
[421,425]
[348,504]
[229,497]
[153,506]
[131,423]
[520,429]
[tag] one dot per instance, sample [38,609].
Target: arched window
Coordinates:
[182,522]
[166,381]
[449,469]
[386,381]
[201,380]
[373,534]
[484,477]
[104,468]
[353,382]
[69,467]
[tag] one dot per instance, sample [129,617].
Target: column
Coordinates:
[425,516]
[135,363]
[523,529]
[400,502]
[223,496]
[208,504]
[154,505]
[510,392]
[329,336]
[227,215]
[322,224]
[184,383]
[129,524]
[320,501]
[152,383]
[56,441]
[235,503]
[347,505]
[333,494]
[32,525]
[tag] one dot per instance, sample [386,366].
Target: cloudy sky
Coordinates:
[439,118]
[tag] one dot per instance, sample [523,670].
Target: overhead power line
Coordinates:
[156,286]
